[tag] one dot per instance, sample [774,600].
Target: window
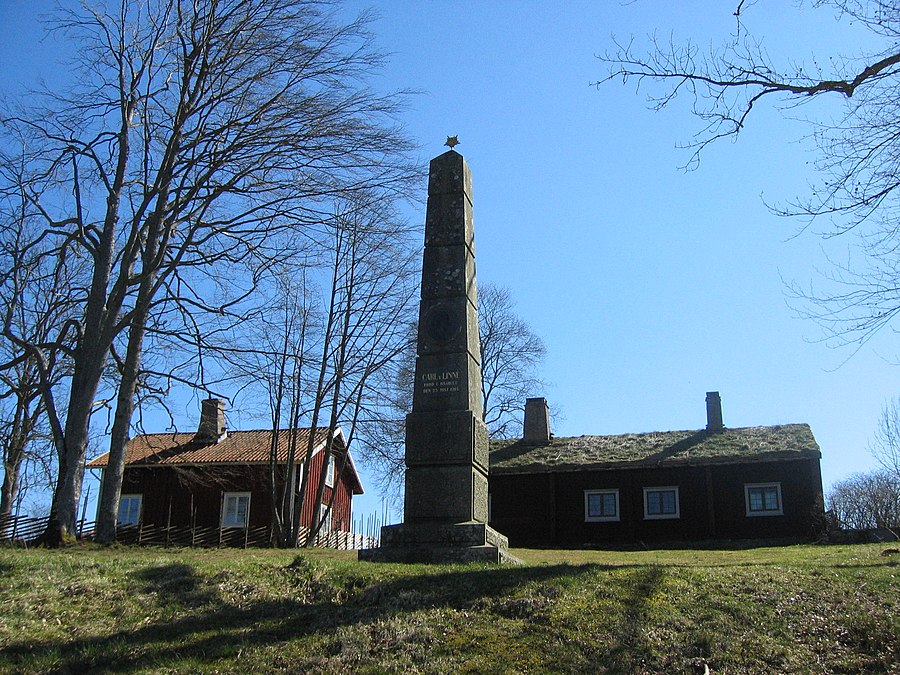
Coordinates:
[235,509]
[298,476]
[325,518]
[601,506]
[129,510]
[329,471]
[661,502]
[763,499]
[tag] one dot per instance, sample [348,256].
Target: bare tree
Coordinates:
[371,302]
[17,433]
[281,364]
[34,306]
[270,357]
[866,501]
[24,437]
[859,154]
[196,136]
[886,444]
[510,356]
[382,444]
[337,320]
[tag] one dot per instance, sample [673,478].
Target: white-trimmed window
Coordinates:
[329,471]
[129,510]
[325,518]
[235,509]
[298,475]
[601,506]
[763,499]
[661,502]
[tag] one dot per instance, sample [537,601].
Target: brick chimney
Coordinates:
[537,421]
[714,423]
[212,427]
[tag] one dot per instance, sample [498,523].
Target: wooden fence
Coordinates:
[21,530]
[25,531]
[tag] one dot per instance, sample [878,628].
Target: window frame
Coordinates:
[140,509]
[329,470]
[325,520]
[233,525]
[755,513]
[588,518]
[662,516]
[298,476]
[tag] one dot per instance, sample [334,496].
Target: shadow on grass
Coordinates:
[632,646]
[175,583]
[867,565]
[221,630]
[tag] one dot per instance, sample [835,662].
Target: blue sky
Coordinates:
[649,285]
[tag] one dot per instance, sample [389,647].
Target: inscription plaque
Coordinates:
[440,382]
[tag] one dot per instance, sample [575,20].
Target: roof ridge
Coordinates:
[230,431]
[652,433]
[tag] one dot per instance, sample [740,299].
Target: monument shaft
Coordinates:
[446,439]
[446,504]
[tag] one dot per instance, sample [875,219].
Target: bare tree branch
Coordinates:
[197,140]
[858,162]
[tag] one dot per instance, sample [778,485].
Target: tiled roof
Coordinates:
[788,441]
[238,447]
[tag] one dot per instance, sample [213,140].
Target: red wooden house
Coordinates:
[219,480]
[708,484]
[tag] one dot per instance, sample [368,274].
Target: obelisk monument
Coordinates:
[446,501]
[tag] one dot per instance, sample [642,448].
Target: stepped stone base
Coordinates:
[440,543]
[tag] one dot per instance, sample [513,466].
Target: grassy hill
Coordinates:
[799,609]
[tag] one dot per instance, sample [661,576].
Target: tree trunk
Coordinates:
[100,314]
[64,508]
[278,492]
[317,408]
[111,486]
[10,488]
[23,425]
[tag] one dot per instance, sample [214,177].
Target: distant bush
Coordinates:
[866,501]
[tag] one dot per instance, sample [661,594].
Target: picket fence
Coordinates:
[24,531]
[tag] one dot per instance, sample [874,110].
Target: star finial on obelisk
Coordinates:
[452,141]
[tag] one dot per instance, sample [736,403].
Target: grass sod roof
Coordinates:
[664,448]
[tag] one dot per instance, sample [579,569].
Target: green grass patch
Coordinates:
[798,609]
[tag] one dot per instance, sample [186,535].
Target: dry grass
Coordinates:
[788,610]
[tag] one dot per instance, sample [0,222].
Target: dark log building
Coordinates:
[709,484]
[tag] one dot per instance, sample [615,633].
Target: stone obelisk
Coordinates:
[446,503]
